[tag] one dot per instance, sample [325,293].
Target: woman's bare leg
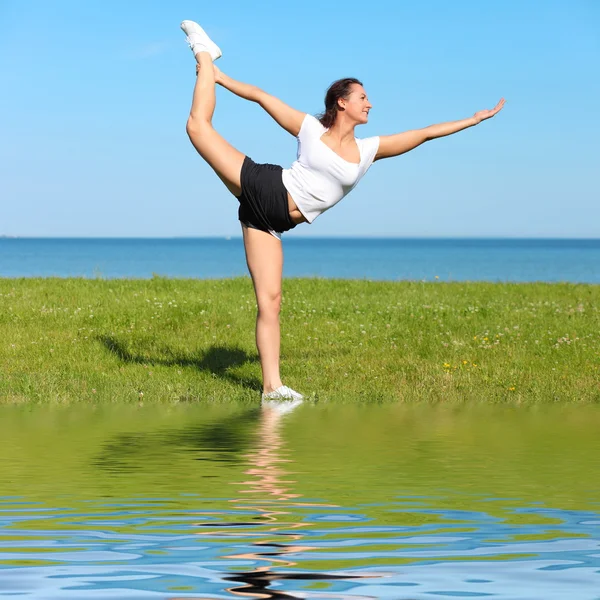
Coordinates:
[225,160]
[264,255]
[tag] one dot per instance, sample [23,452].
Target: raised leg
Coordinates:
[264,255]
[225,160]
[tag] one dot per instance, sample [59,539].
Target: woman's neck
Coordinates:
[341,131]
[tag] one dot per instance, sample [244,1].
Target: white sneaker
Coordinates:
[199,41]
[283,392]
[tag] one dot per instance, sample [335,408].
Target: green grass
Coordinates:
[65,340]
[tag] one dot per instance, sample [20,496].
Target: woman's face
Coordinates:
[357,105]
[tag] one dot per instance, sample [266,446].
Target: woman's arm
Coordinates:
[394,145]
[289,118]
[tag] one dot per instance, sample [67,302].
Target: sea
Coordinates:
[500,260]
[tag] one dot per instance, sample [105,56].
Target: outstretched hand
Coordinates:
[482,115]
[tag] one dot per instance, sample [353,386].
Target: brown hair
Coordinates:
[338,89]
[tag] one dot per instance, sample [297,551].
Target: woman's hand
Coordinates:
[482,115]
[218,73]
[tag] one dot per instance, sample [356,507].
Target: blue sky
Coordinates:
[95,96]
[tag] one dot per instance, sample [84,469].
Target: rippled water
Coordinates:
[325,502]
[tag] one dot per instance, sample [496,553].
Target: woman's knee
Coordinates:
[269,305]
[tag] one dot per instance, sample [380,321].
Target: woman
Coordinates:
[272,200]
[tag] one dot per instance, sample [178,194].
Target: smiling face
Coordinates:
[356,105]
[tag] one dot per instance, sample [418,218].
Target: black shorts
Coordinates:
[264,199]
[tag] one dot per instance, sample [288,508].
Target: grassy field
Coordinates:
[168,340]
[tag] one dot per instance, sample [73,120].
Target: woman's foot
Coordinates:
[199,41]
[282,392]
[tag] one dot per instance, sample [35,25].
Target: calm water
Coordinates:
[391,259]
[325,502]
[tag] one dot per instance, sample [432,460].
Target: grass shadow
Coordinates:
[217,360]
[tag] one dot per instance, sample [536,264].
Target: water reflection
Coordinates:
[326,502]
[268,494]
[224,439]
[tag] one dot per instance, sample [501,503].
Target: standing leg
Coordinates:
[264,255]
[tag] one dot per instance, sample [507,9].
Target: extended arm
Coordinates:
[394,145]
[289,118]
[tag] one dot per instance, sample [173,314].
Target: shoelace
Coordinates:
[290,393]
[191,44]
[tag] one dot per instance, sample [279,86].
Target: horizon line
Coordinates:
[314,237]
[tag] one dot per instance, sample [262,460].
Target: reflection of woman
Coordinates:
[267,494]
[331,161]
[273,495]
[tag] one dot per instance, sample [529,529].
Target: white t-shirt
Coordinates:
[320,178]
